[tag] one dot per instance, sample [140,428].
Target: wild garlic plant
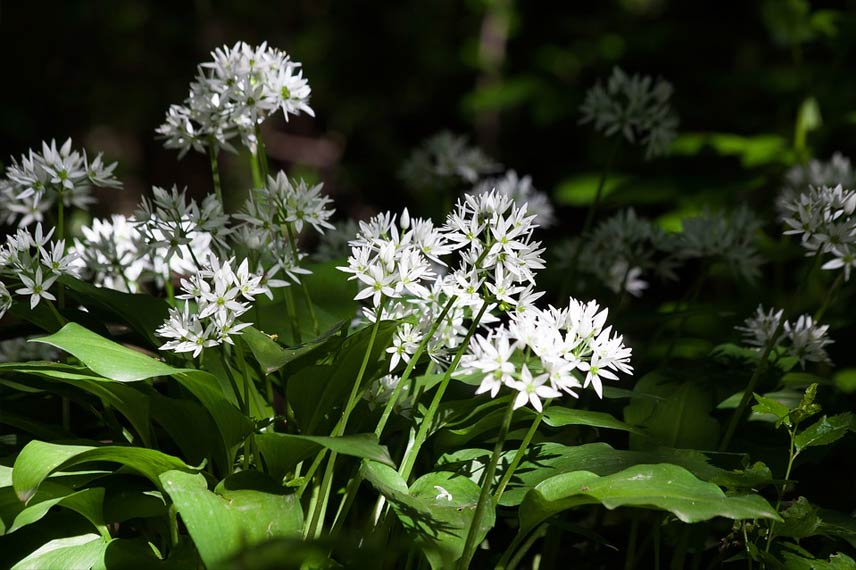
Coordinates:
[426,398]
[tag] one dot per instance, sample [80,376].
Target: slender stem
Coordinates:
[173,525]
[518,556]
[830,297]
[316,521]
[292,241]
[215,174]
[601,184]
[518,457]
[471,544]
[393,399]
[292,315]
[258,181]
[630,555]
[410,456]
[60,232]
[791,456]
[59,318]
[261,153]
[750,388]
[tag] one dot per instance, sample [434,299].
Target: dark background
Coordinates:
[386,75]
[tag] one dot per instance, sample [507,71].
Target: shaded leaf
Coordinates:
[662,486]
[244,511]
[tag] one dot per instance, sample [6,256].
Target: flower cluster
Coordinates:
[544,353]
[392,258]
[445,161]
[816,173]
[521,191]
[622,251]
[35,183]
[232,95]
[36,262]
[177,232]
[728,236]
[272,219]
[802,339]
[635,106]
[499,256]
[216,298]
[111,254]
[823,218]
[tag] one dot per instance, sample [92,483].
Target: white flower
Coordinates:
[5,299]
[532,389]
[37,287]
[759,329]
[807,340]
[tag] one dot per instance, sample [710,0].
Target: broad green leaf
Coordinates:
[282,452]
[38,460]
[681,420]
[800,520]
[546,460]
[82,551]
[758,150]
[130,402]
[117,362]
[837,561]
[661,486]
[272,356]
[436,511]
[244,511]
[87,502]
[826,430]
[105,357]
[557,416]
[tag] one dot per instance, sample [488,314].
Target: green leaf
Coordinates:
[38,460]
[282,452]
[105,357]
[801,520]
[682,419]
[662,486]
[824,431]
[87,502]
[271,356]
[82,551]
[245,510]
[557,416]
[130,402]
[436,512]
[772,407]
[546,460]
[838,561]
[120,363]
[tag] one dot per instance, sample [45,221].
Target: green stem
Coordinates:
[354,483]
[215,174]
[518,457]
[316,521]
[261,153]
[258,181]
[830,297]
[393,399]
[791,457]
[292,241]
[60,233]
[292,315]
[410,456]
[750,388]
[471,544]
[518,556]
[59,318]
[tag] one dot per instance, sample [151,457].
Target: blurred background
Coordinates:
[508,74]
